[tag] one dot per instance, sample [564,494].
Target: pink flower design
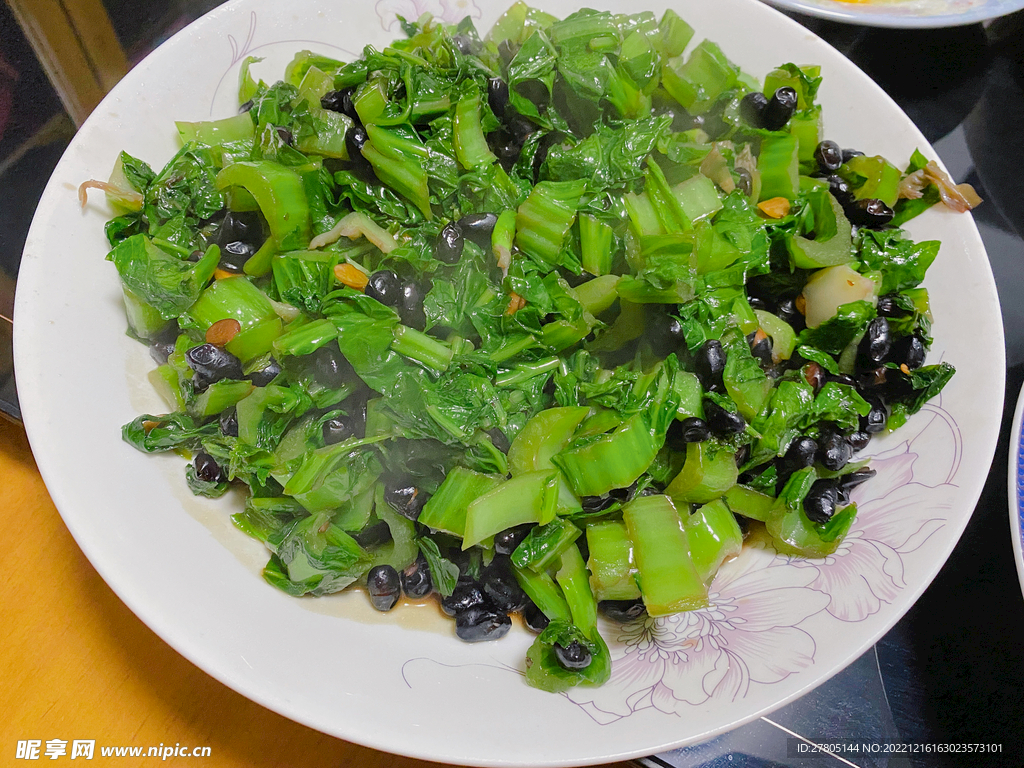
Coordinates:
[867,570]
[450,11]
[748,634]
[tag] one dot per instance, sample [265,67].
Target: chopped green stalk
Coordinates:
[512,348]
[782,333]
[714,537]
[446,509]
[821,251]
[872,177]
[329,138]
[793,533]
[642,292]
[642,215]
[749,503]
[355,513]
[260,262]
[709,471]
[143,320]
[397,161]
[747,385]
[544,593]
[219,396]
[529,498]
[305,339]
[597,295]
[698,197]
[231,297]
[698,83]
[596,240]
[562,334]
[434,354]
[806,126]
[165,381]
[574,579]
[675,34]
[471,148]
[281,195]
[217,133]
[255,341]
[669,581]
[502,239]
[540,439]
[779,166]
[401,551]
[545,544]
[612,567]
[690,394]
[610,461]
[545,217]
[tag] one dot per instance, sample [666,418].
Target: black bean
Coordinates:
[386,287]
[780,108]
[234,255]
[477,228]
[162,345]
[871,213]
[355,138]
[499,439]
[466,595]
[664,334]
[853,479]
[841,378]
[752,108]
[800,454]
[761,348]
[874,346]
[450,244]
[744,181]
[623,611]
[465,45]
[849,154]
[497,96]
[330,368]
[689,430]
[834,451]
[594,504]
[574,656]
[410,308]
[888,306]
[505,543]
[229,422]
[478,624]
[820,502]
[338,429]
[207,468]
[519,126]
[828,156]
[416,581]
[909,351]
[378,533]
[385,587]
[240,227]
[340,101]
[213,363]
[406,499]
[710,363]
[284,135]
[266,374]
[534,619]
[787,311]
[722,421]
[877,417]
[859,440]
[840,189]
[501,586]
[246,106]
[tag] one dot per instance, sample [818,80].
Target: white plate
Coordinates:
[401,682]
[1015,492]
[912,14]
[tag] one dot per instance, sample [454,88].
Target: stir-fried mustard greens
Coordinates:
[538,322]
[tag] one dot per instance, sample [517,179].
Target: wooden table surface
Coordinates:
[75,663]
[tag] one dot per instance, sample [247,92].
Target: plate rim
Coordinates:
[150,616]
[1015,486]
[894,21]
